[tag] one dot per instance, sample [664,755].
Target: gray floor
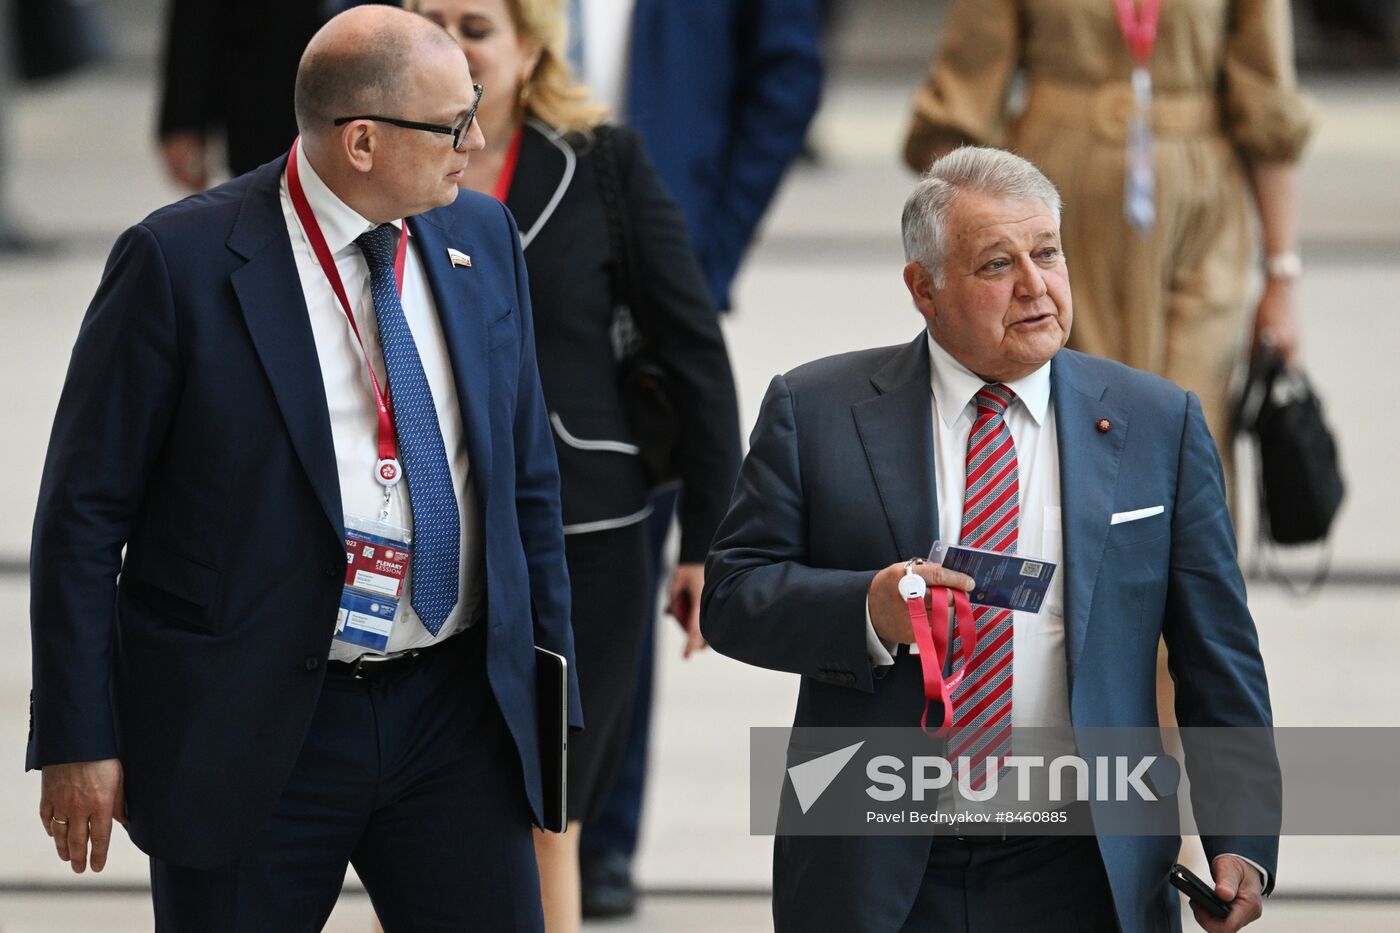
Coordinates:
[824,278]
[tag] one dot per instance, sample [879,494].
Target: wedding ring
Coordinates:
[54,819]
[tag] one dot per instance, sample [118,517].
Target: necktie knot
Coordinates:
[378,245]
[995,398]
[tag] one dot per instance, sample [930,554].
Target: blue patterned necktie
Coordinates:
[437,527]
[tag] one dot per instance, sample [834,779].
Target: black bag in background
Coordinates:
[1300,480]
[642,381]
[54,37]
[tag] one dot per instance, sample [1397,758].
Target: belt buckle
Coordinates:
[358,670]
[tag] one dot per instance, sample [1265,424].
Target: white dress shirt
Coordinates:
[1040,678]
[350,397]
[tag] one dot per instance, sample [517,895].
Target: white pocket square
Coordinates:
[1121,517]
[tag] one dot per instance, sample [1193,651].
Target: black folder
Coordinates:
[552,701]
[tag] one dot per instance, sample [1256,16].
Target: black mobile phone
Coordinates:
[1199,893]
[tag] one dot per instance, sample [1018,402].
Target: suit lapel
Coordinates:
[544,172]
[457,292]
[896,430]
[1089,461]
[274,308]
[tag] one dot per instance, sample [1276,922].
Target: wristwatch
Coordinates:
[1284,267]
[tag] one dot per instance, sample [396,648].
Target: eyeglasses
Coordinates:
[458,132]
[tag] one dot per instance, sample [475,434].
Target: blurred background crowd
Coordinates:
[743,162]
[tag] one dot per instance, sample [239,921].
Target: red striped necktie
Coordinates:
[990,516]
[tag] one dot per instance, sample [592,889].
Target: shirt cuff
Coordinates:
[1263,872]
[875,649]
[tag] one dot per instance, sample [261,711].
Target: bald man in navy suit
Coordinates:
[196,673]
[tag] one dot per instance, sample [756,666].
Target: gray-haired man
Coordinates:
[983,431]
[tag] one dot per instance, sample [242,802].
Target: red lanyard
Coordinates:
[507,175]
[931,635]
[387,470]
[1139,26]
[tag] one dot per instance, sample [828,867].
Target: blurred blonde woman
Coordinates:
[547,154]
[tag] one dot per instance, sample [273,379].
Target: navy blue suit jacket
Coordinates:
[839,483]
[721,93]
[187,557]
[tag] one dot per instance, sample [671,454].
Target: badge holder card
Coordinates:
[376,561]
[1004,580]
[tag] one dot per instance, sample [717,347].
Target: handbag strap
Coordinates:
[623,270]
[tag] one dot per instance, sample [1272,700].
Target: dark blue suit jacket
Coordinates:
[187,557]
[721,92]
[839,483]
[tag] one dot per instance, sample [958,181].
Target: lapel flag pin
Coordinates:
[1104,425]
[459,259]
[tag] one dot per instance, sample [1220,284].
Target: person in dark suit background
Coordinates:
[721,93]
[229,68]
[215,441]
[858,462]
[544,156]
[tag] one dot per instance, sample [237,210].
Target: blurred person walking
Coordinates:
[232,655]
[581,190]
[228,71]
[1162,122]
[722,94]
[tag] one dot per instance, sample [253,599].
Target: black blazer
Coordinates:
[558,206]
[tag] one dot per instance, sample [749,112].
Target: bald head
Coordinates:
[359,63]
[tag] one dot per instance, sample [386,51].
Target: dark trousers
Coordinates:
[618,822]
[414,780]
[610,575]
[1050,884]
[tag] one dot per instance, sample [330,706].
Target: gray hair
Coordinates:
[969,168]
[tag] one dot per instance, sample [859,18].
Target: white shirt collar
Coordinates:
[340,223]
[954,385]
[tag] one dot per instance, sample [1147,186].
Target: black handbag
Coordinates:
[643,383]
[55,37]
[1300,480]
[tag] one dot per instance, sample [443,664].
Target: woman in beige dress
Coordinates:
[1228,124]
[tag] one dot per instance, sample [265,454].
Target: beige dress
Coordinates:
[1172,300]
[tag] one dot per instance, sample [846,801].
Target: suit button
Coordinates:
[312,663]
[334,568]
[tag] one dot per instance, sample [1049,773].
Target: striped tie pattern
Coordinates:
[991,507]
[437,525]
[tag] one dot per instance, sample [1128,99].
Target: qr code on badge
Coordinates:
[1030,568]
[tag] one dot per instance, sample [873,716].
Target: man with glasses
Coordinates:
[299,532]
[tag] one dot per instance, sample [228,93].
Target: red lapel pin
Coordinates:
[1104,425]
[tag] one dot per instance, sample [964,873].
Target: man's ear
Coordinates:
[358,141]
[920,284]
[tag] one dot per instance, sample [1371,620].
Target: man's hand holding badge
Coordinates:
[919,614]
[889,612]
